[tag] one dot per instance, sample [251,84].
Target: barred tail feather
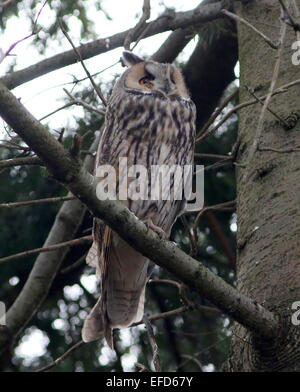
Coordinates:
[124,286]
[93,325]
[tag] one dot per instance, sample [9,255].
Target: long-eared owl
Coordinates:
[150,121]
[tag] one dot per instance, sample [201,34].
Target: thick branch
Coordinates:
[164,253]
[166,22]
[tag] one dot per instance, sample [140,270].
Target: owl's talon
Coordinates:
[158,230]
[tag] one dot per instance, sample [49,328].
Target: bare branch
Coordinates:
[284,151]
[281,120]
[194,359]
[37,201]
[96,88]
[47,264]
[22,161]
[279,90]
[201,155]
[216,207]
[14,146]
[228,161]
[155,317]
[286,16]
[218,112]
[153,344]
[164,253]
[50,248]
[57,110]
[238,18]
[140,26]
[73,266]
[5,3]
[76,101]
[172,21]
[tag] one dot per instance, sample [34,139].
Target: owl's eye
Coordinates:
[146,80]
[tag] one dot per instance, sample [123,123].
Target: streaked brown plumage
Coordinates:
[150,121]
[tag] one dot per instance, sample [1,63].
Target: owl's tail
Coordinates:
[124,279]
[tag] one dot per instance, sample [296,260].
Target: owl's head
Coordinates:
[150,76]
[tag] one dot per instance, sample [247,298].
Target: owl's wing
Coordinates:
[122,270]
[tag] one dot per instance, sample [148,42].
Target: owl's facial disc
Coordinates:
[159,77]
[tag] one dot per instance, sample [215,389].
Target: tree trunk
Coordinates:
[268,265]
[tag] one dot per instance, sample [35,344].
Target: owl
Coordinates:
[150,121]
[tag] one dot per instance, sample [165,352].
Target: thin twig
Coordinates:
[287,18]
[139,26]
[73,266]
[59,360]
[228,161]
[170,313]
[57,110]
[180,286]
[238,18]
[38,15]
[14,146]
[97,89]
[194,359]
[159,316]
[297,15]
[5,3]
[218,112]
[37,201]
[228,205]
[151,337]
[76,101]
[203,350]
[50,248]
[276,69]
[190,233]
[20,162]
[216,207]
[287,150]
[281,120]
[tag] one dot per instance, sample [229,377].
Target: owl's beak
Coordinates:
[166,88]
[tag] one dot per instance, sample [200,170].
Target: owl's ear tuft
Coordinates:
[129,59]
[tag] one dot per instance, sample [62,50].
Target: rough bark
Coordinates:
[268,255]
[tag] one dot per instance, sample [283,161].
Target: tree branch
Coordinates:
[166,22]
[47,264]
[96,88]
[50,248]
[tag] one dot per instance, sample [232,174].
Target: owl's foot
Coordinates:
[158,230]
